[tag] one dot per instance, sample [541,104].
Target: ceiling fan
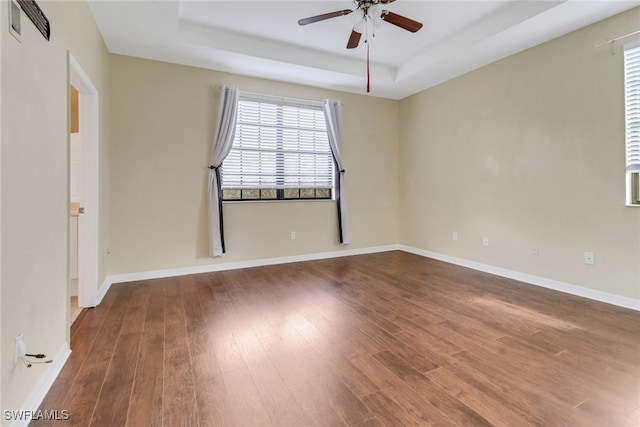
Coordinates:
[368,11]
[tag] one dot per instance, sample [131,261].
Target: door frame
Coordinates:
[88,252]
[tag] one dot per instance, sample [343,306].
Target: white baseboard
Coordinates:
[209,268]
[30,407]
[102,290]
[593,294]
[580,291]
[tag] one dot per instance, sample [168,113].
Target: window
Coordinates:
[280,152]
[632,121]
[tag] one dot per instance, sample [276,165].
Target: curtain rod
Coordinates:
[613,40]
[312,102]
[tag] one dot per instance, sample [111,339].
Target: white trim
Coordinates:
[41,389]
[15,27]
[567,288]
[88,222]
[209,268]
[104,288]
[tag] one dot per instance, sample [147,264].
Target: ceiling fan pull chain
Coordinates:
[368,71]
[366,20]
[366,28]
[373,27]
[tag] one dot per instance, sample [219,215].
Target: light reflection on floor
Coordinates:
[524,313]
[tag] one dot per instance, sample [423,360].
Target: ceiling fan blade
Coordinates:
[386,1]
[354,39]
[401,21]
[324,16]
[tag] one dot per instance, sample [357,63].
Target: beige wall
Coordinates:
[35,182]
[528,150]
[162,127]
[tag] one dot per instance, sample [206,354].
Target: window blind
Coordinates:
[632,107]
[278,145]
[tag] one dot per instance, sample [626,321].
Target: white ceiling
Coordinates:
[262,38]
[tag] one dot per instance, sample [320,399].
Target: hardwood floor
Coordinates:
[382,339]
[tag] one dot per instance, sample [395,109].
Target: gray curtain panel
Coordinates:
[222,142]
[333,117]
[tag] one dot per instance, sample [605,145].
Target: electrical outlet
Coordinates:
[293,235]
[485,241]
[535,250]
[588,258]
[21,349]
[454,236]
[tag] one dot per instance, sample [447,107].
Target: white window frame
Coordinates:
[276,143]
[632,121]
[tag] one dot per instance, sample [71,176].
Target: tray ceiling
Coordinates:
[263,39]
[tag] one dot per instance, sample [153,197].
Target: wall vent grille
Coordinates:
[33,11]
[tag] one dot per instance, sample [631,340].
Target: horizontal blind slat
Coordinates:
[278,146]
[632,108]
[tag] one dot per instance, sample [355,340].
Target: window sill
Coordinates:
[233,202]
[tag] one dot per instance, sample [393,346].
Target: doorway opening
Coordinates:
[75,199]
[83,188]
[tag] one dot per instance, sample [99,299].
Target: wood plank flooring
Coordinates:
[383,339]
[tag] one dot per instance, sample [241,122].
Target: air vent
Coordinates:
[33,11]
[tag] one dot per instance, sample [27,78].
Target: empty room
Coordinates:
[332,213]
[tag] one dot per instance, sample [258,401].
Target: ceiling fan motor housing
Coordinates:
[365,5]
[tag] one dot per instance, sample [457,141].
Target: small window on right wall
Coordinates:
[632,121]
